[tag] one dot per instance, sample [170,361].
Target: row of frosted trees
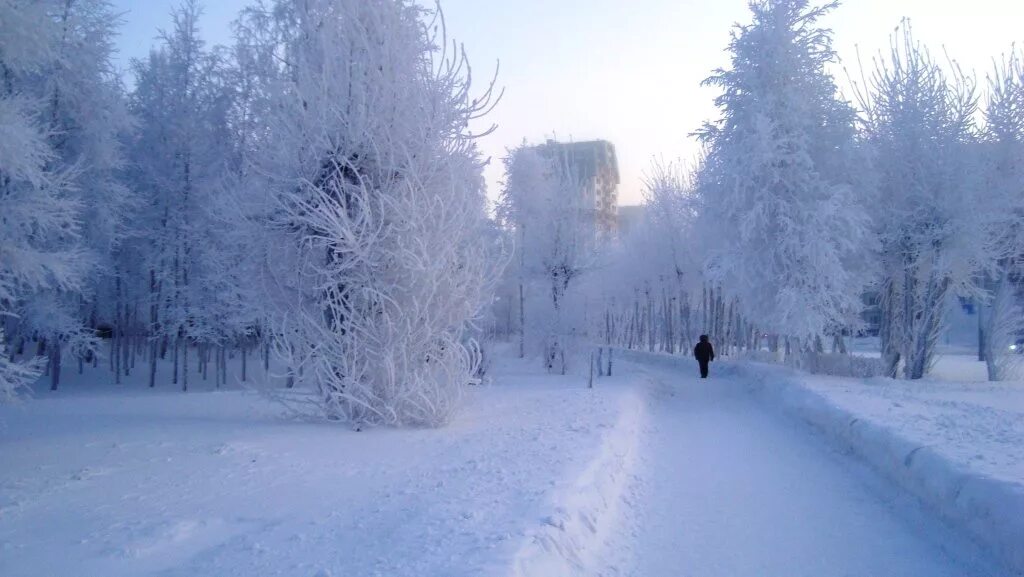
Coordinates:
[805,209]
[311,194]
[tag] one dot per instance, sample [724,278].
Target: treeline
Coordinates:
[806,208]
[311,192]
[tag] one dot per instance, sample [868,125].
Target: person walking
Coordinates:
[704,353]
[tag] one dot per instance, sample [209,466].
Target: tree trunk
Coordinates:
[126,350]
[979,308]
[184,367]
[115,352]
[1002,327]
[174,361]
[152,362]
[55,364]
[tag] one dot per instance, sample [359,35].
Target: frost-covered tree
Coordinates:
[15,377]
[933,218]
[88,119]
[780,204]
[671,213]
[375,207]
[1003,152]
[39,216]
[182,152]
[543,200]
[650,301]
[43,174]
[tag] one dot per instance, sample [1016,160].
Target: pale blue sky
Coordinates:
[630,71]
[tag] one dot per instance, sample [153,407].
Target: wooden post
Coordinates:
[590,384]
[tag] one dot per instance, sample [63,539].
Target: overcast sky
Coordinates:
[629,71]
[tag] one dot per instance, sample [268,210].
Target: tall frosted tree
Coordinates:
[650,277]
[779,202]
[61,203]
[375,207]
[1003,147]
[933,217]
[556,240]
[34,201]
[88,119]
[181,156]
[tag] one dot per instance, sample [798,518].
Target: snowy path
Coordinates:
[727,488]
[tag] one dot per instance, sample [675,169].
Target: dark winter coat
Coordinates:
[704,352]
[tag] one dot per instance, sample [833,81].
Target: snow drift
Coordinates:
[990,510]
[584,510]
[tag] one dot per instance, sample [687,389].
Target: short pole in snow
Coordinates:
[590,384]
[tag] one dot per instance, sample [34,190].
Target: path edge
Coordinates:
[990,510]
[570,538]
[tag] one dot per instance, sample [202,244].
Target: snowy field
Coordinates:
[653,473]
[221,483]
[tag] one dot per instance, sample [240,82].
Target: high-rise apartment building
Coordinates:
[595,169]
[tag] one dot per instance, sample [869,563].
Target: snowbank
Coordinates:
[584,511]
[918,435]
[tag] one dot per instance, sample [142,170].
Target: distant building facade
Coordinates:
[630,218]
[595,168]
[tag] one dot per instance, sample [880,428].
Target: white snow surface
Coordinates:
[957,447]
[977,425]
[651,473]
[141,482]
[727,488]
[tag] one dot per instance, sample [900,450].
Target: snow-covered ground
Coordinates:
[728,488]
[958,447]
[959,367]
[977,425]
[652,473]
[954,362]
[106,482]
[956,411]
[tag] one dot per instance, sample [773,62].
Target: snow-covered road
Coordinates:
[726,487]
